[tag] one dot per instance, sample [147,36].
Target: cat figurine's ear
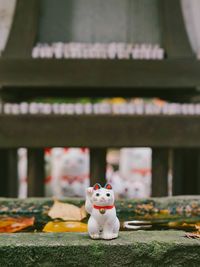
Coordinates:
[108,186]
[96,186]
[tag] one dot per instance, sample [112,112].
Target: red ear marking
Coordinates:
[47,150]
[96,186]
[108,186]
[83,149]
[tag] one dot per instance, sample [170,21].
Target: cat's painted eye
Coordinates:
[97,194]
[108,194]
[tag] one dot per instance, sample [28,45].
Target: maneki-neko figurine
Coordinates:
[103,222]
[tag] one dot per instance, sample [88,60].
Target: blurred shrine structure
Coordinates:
[175,140]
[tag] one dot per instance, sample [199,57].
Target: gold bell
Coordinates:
[102,211]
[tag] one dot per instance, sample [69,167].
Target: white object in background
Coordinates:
[88,108]
[116,108]
[103,222]
[137,187]
[58,49]
[112,51]
[24,108]
[191,109]
[149,108]
[70,109]
[184,109]
[135,170]
[22,172]
[143,50]
[197,109]
[165,109]
[154,51]
[122,53]
[46,108]
[136,52]
[105,108]
[33,108]
[96,108]
[36,52]
[63,108]
[72,171]
[178,108]
[78,108]
[48,51]
[66,51]
[42,50]
[160,53]
[131,108]
[7,108]
[15,109]
[56,108]
[116,181]
[139,108]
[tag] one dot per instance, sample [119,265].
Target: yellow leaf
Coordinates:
[66,212]
[65,227]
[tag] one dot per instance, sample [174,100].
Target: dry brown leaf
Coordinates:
[66,211]
[11,225]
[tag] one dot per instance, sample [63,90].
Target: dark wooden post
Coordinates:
[198,172]
[98,166]
[177,182]
[12,172]
[3,173]
[160,168]
[36,173]
[8,173]
[186,173]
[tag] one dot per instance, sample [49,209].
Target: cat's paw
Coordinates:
[95,236]
[89,190]
[109,236]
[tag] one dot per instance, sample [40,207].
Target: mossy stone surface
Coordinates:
[141,248]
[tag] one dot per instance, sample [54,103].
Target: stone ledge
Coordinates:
[141,248]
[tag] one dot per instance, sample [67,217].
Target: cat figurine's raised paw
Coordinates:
[103,222]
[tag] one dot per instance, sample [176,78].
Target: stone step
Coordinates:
[141,248]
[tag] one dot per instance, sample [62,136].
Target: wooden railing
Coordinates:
[176,77]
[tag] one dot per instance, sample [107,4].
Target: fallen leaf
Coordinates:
[65,227]
[191,235]
[11,225]
[66,212]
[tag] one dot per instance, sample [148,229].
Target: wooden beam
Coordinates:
[97,166]
[100,131]
[100,74]
[174,36]
[160,168]
[23,31]
[36,174]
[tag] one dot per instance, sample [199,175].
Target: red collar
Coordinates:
[105,207]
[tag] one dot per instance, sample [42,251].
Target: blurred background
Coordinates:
[99,91]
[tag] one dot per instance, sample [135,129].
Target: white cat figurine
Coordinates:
[103,222]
